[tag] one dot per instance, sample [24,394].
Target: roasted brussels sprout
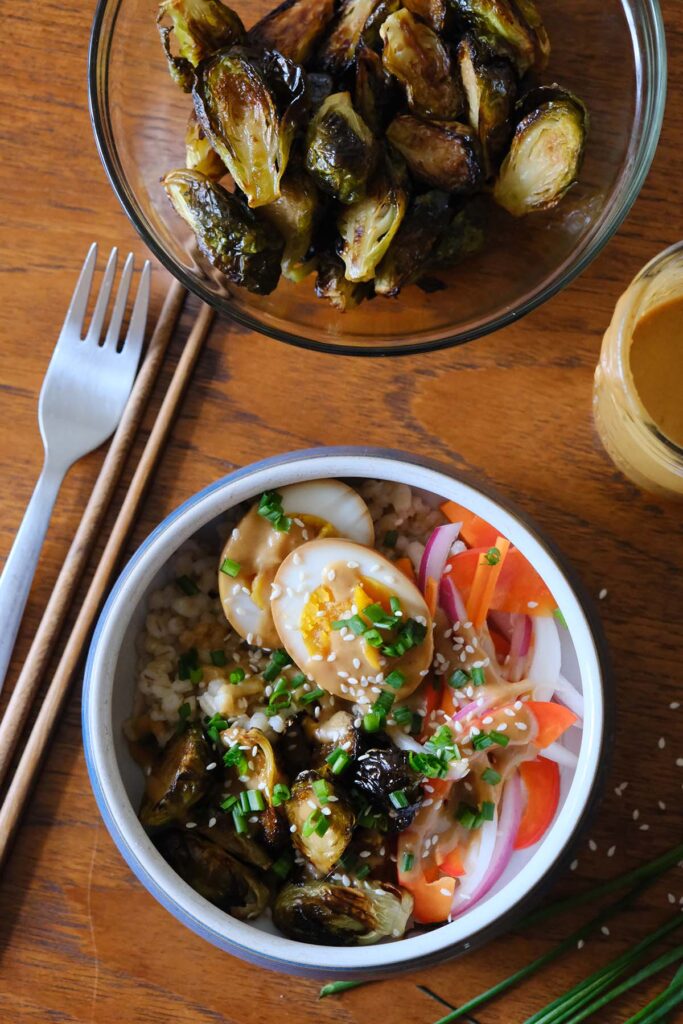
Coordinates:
[368,226]
[294,28]
[323,827]
[215,874]
[339,915]
[434,12]
[200,27]
[223,834]
[340,149]
[545,156]
[413,243]
[261,771]
[491,91]
[294,216]
[374,90]
[370,36]
[199,153]
[340,49]
[178,780]
[444,154]
[331,284]
[380,773]
[320,86]
[246,250]
[462,236]
[336,732]
[531,15]
[417,57]
[504,26]
[248,105]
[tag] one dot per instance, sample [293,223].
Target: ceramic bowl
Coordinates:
[118,782]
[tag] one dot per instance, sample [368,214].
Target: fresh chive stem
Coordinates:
[536,965]
[556,1012]
[335,987]
[667,1000]
[654,967]
[630,878]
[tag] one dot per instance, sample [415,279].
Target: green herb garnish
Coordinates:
[237,675]
[372,721]
[459,678]
[390,538]
[308,698]
[236,758]
[281,793]
[399,799]
[270,507]
[279,659]
[217,658]
[187,585]
[321,790]
[491,776]
[477,676]
[229,567]
[337,760]
[492,556]
[395,680]
[429,765]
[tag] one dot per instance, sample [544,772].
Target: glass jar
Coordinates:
[630,436]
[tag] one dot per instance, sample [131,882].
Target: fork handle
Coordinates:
[20,567]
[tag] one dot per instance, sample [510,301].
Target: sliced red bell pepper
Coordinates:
[552,719]
[475,531]
[541,782]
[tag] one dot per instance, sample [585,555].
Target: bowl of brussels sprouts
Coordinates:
[377,176]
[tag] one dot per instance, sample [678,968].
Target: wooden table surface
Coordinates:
[81,940]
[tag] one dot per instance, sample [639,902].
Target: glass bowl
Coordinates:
[612,54]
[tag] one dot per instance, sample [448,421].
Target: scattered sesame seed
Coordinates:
[671,898]
[636,814]
[604,930]
[574,865]
[445,892]
[592,845]
[580,944]
[679,762]
[644,828]
[292,828]
[190,824]
[661,742]
[674,705]
[210,767]
[661,805]
[603,594]
[522,726]
[612,850]
[532,604]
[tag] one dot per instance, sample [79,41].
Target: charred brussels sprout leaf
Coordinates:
[368,226]
[320,837]
[434,12]
[331,284]
[412,246]
[338,915]
[200,27]
[246,250]
[502,26]
[417,57]
[370,36]
[340,49]
[215,874]
[320,86]
[378,774]
[491,91]
[530,13]
[294,28]
[199,153]
[178,780]
[544,158]
[262,772]
[375,90]
[248,106]
[444,154]
[242,846]
[340,149]
[294,216]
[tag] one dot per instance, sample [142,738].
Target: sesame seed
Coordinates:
[679,762]
[661,805]
[574,865]
[210,767]
[636,814]
[604,930]
[522,726]
[612,850]
[603,594]
[332,657]
[532,604]
[292,828]
[580,944]
[592,845]
[445,892]
[191,824]
[364,853]
[671,898]
[661,742]
[674,705]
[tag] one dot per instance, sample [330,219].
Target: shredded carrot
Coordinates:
[484,584]
[431,591]
[406,567]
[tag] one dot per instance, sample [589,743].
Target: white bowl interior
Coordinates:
[118,781]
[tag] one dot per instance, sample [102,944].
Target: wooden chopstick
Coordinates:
[43,726]
[63,593]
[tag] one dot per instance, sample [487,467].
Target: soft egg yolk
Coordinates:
[321,610]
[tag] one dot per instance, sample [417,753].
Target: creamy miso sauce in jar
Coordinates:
[656,364]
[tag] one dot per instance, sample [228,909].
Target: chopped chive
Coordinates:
[335,987]
[395,604]
[282,867]
[308,698]
[322,825]
[339,624]
[237,675]
[403,716]
[395,680]
[408,861]
[378,616]
[229,567]
[390,538]
[297,680]
[229,803]
[321,790]
[372,721]
[363,872]
[187,585]
[459,678]
[384,703]
[315,822]
[492,556]
[399,799]
[217,658]
[491,776]
[429,765]
[184,712]
[500,738]
[477,676]
[235,758]
[373,637]
[488,810]
[239,820]
[279,659]
[281,793]
[356,625]
[252,800]
[215,726]
[337,760]
[270,507]
[467,815]
[196,675]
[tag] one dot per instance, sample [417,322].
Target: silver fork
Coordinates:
[81,402]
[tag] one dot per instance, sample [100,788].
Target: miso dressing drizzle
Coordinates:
[656,363]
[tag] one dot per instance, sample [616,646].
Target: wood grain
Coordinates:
[81,940]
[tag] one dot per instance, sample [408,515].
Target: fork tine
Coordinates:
[100,310]
[138,318]
[73,321]
[120,303]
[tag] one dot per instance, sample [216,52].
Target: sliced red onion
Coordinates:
[494,852]
[504,622]
[556,752]
[436,553]
[451,600]
[546,659]
[520,641]
[568,695]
